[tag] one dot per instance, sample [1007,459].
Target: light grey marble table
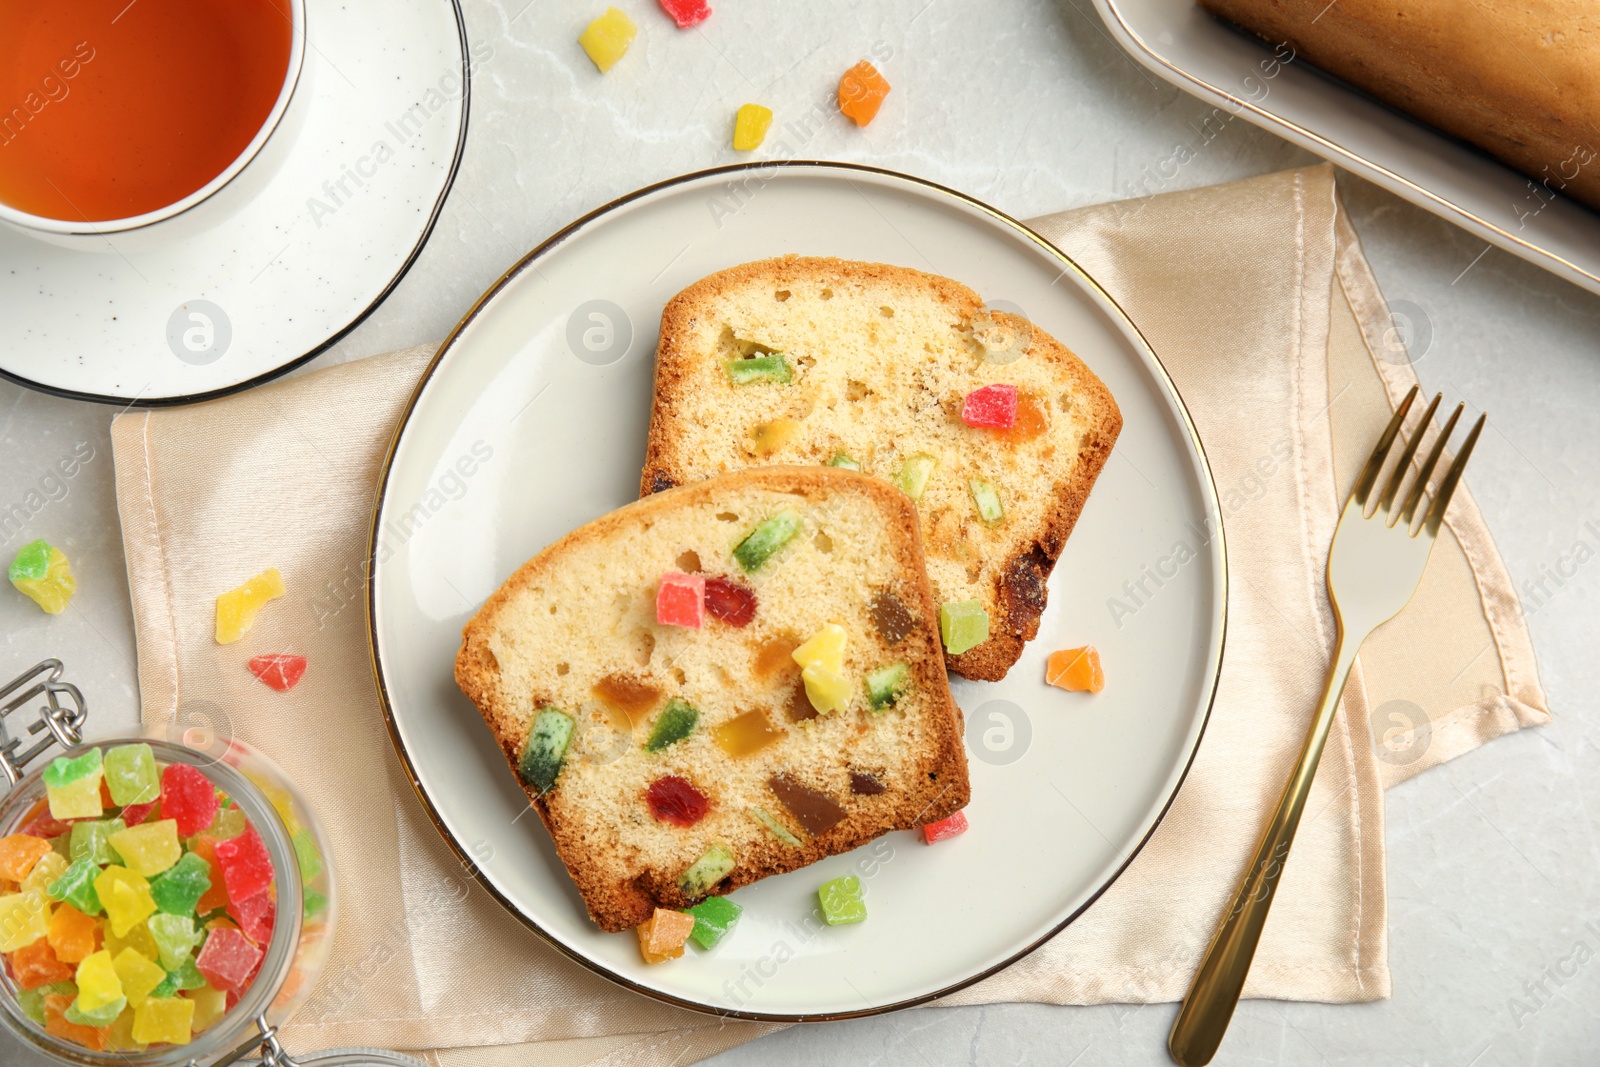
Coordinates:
[1494,870]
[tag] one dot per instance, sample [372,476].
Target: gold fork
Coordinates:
[1374,567]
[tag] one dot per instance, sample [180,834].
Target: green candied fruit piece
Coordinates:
[103,1016]
[914,474]
[841,901]
[546,749]
[713,918]
[187,976]
[312,902]
[175,937]
[178,889]
[776,828]
[76,886]
[167,988]
[92,839]
[32,562]
[131,775]
[308,855]
[842,460]
[677,721]
[772,367]
[64,771]
[963,624]
[986,498]
[714,864]
[775,531]
[885,685]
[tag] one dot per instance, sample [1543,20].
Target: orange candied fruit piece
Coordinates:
[92,1038]
[1076,669]
[36,965]
[18,854]
[861,92]
[662,936]
[205,846]
[1030,423]
[73,936]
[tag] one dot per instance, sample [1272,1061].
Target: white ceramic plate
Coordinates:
[1202,55]
[532,421]
[291,271]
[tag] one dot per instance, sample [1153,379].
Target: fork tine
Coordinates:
[1369,473]
[1391,490]
[1410,509]
[1452,478]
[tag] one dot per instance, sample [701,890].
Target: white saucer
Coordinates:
[291,271]
[543,393]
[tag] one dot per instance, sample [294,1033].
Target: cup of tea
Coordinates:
[141,118]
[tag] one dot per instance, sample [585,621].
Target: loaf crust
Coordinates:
[682,447]
[624,864]
[1520,81]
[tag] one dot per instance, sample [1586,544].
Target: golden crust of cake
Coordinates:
[882,358]
[575,628]
[1520,81]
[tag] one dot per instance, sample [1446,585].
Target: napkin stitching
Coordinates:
[161,554]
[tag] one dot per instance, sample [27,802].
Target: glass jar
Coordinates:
[302,935]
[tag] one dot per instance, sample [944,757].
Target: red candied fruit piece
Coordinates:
[188,798]
[228,960]
[246,866]
[729,601]
[46,825]
[136,814]
[278,671]
[945,828]
[673,799]
[255,916]
[681,600]
[686,13]
[993,407]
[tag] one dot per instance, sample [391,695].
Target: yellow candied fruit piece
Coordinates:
[750,127]
[119,1037]
[744,734]
[825,648]
[237,608]
[209,1006]
[169,1019]
[827,690]
[767,437]
[139,974]
[98,982]
[607,38]
[24,919]
[49,868]
[126,898]
[77,800]
[50,590]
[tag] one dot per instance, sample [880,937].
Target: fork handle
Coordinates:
[1214,992]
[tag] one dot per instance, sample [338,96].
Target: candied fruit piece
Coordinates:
[131,776]
[767,437]
[677,721]
[766,539]
[890,617]
[46,825]
[686,13]
[744,734]
[307,855]
[56,1023]
[828,691]
[607,38]
[209,1006]
[76,886]
[72,784]
[548,739]
[774,827]
[993,407]
[19,853]
[205,847]
[42,573]
[1031,420]
[36,964]
[149,849]
[714,917]
[237,608]
[714,864]
[815,811]
[775,655]
[750,127]
[119,1035]
[628,695]
[279,670]
[731,602]
[767,367]
[677,801]
[886,684]
[24,919]
[230,822]
[1075,669]
[844,461]
[256,916]
[97,981]
[661,937]
[963,624]
[188,798]
[104,1015]
[92,839]
[134,814]
[865,785]
[986,499]
[681,600]
[228,959]
[51,866]
[914,474]
[945,828]
[139,975]
[246,866]
[178,890]
[861,92]
[841,901]
[72,934]
[176,937]
[126,898]
[164,1019]
[825,648]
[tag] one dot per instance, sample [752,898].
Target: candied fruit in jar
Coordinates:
[19,853]
[36,964]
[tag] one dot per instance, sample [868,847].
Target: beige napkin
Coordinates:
[1257,297]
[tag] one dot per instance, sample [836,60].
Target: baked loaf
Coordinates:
[1519,80]
[876,362]
[571,643]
